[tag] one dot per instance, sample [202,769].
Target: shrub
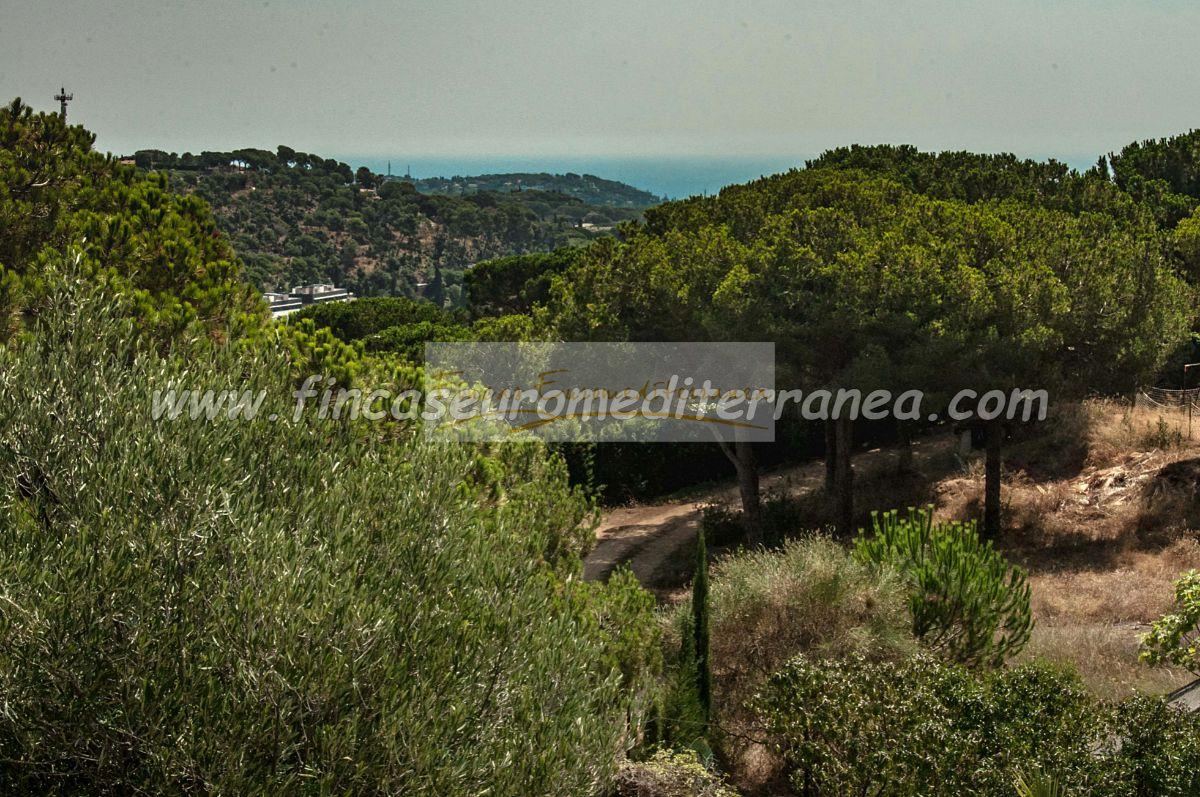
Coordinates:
[1158,751]
[843,727]
[810,596]
[967,601]
[722,524]
[1175,638]
[924,727]
[1163,436]
[670,774]
[239,607]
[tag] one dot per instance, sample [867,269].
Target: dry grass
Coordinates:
[1115,429]
[1105,655]
[1128,586]
[1104,528]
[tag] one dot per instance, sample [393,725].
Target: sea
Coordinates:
[673,177]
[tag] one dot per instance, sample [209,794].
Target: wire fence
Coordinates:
[1167,398]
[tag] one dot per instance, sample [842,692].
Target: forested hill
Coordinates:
[296,218]
[584,187]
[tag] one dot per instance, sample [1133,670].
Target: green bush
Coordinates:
[1175,638]
[811,597]
[1154,749]
[924,727]
[250,607]
[967,601]
[722,524]
[670,774]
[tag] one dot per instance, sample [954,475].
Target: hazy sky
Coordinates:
[609,77]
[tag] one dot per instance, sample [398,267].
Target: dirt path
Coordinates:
[649,537]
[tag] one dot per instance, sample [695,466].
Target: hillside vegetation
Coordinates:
[297,218]
[284,602]
[813,654]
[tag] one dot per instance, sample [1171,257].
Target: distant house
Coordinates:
[283,304]
[321,293]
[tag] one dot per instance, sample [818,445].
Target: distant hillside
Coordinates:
[297,218]
[584,187]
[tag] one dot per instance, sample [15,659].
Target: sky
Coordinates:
[609,78]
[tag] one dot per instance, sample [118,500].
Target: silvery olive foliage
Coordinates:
[253,607]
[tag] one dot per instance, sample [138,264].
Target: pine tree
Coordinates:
[966,600]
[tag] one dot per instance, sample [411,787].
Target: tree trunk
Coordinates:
[741,454]
[747,468]
[904,458]
[991,484]
[830,456]
[844,481]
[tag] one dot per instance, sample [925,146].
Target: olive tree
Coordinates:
[265,605]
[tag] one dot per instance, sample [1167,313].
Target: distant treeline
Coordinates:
[250,158]
[585,187]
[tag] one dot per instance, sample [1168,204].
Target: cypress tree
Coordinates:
[700,629]
[436,292]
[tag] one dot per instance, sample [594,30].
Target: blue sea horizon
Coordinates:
[673,177]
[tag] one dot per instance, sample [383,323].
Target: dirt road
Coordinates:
[649,537]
